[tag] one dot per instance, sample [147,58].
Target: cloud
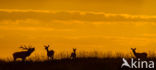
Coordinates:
[74,1]
[44,15]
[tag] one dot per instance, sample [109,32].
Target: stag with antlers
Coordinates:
[23,54]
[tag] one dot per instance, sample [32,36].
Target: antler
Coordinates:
[30,46]
[24,47]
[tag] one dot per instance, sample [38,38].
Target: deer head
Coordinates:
[46,46]
[133,49]
[74,49]
[29,49]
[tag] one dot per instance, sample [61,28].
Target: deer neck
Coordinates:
[134,52]
[29,52]
[47,50]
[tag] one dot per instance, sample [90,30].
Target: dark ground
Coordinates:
[68,64]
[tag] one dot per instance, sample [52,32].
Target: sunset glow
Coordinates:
[88,25]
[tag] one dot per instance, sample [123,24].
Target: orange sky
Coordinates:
[102,25]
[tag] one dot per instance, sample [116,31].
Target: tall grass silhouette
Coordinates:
[83,61]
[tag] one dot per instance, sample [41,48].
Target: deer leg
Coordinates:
[23,59]
[14,59]
[48,58]
[52,58]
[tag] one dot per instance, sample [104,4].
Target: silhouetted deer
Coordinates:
[50,53]
[73,54]
[139,55]
[23,54]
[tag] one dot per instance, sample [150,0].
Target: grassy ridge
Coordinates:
[81,63]
[64,64]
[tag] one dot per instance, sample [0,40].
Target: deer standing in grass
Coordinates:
[50,53]
[139,55]
[73,54]
[23,54]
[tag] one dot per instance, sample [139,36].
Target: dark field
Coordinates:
[68,64]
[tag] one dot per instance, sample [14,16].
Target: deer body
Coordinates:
[23,54]
[139,55]
[50,53]
[73,54]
